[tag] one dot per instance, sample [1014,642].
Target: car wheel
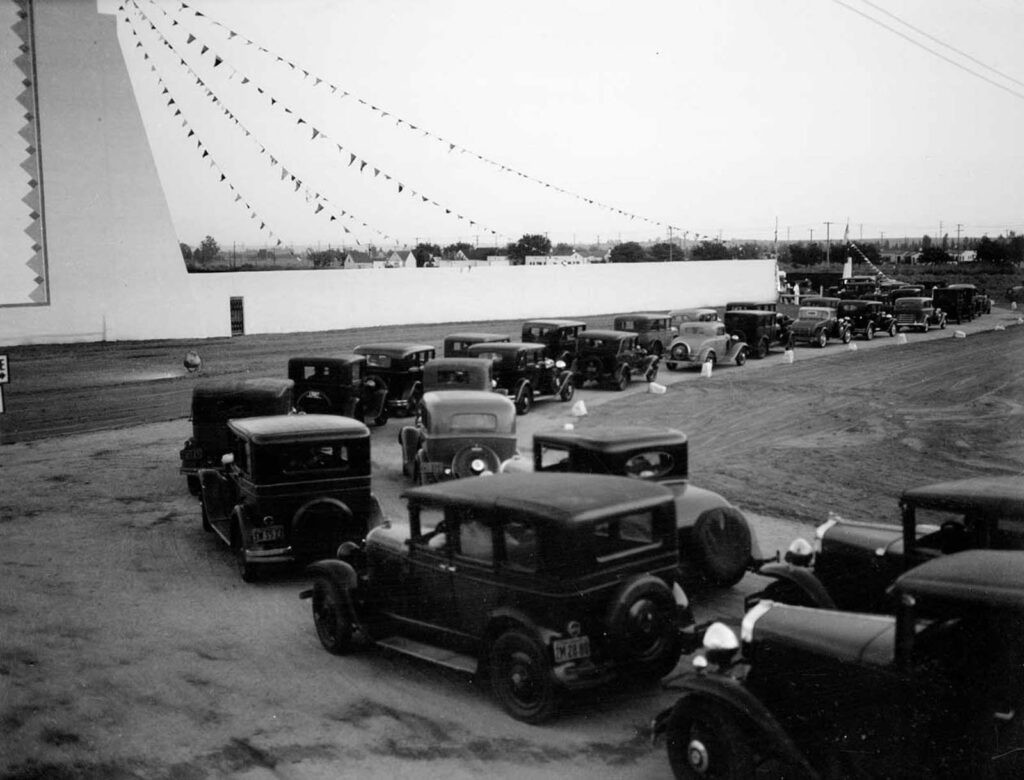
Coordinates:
[652,373]
[474,460]
[642,628]
[822,340]
[331,616]
[892,330]
[195,487]
[723,540]
[622,378]
[568,391]
[521,677]
[524,399]
[381,418]
[762,349]
[847,336]
[942,324]
[313,402]
[869,334]
[704,741]
[741,357]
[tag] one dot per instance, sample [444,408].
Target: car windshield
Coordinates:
[473,421]
[908,303]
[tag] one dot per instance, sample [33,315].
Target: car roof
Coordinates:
[503,346]
[983,577]
[642,315]
[601,333]
[468,401]
[825,309]
[297,427]
[259,386]
[342,360]
[993,495]
[465,335]
[614,438]
[911,298]
[556,323]
[566,499]
[393,348]
[455,363]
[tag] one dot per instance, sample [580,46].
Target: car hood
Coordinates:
[851,637]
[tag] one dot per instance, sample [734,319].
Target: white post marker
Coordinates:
[705,368]
[852,346]
[5,377]
[789,356]
[901,338]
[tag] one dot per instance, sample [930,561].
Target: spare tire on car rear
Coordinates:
[722,540]
[475,460]
[643,629]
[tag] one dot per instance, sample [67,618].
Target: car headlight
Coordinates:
[800,553]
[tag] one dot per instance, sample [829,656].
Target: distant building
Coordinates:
[574,259]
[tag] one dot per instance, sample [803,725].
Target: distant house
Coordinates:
[361,260]
[902,257]
[965,256]
[475,257]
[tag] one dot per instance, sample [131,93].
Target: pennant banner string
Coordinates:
[309,195]
[316,132]
[452,146]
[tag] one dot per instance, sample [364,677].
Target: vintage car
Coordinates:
[338,385]
[716,544]
[456,344]
[705,342]
[814,325]
[866,318]
[557,336]
[459,433]
[702,314]
[907,291]
[855,287]
[912,313]
[543,583]
[525,373]
[291,489]
[956,300]
[612,357]
[655,330]
[854,562]
[399,367]
[935,690]
[214,402]
[760,330]
[461,373]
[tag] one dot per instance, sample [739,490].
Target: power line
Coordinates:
[920,45]
[963,54]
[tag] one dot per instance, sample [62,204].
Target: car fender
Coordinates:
[802,579]
[729,694]
[414,390]
[509,618]
[340,573]
[692,501]
[564,379]
[735,347]
[409,438]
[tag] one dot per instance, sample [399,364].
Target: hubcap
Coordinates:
[697,755]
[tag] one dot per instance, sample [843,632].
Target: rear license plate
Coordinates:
[270,534]
[193,453]
[572,649]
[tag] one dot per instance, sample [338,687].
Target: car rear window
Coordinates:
[304,458]
[378,361]
[649,465]
[623,536]
[473,421]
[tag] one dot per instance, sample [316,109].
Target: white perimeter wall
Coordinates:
[287,301]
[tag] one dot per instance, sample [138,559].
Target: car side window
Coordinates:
[553,458]
[433,529]
[476,539]
[520,542]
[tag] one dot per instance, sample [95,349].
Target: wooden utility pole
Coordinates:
[828,243]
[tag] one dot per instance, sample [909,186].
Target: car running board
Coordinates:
[432,653]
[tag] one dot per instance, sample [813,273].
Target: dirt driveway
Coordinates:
[129,648]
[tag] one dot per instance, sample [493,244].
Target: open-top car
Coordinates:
[612,358]
[543,583]
[292,488]
[750,306]
[866,318]
[934,691]
[459,433]
[526,373]
[705,342]
[760,330]
[456,344]
[558,336]
[214,402]
[815,324]
[854,562]
[716,544]
[913,312]
[655,330]
[399,367]
[338,385]
[461,373]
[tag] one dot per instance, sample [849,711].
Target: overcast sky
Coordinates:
[582,120]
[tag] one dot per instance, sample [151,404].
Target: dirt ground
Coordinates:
[129,648]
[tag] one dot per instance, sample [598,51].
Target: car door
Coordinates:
[427,596]
[476,589]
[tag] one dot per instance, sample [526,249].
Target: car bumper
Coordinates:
[271,556]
